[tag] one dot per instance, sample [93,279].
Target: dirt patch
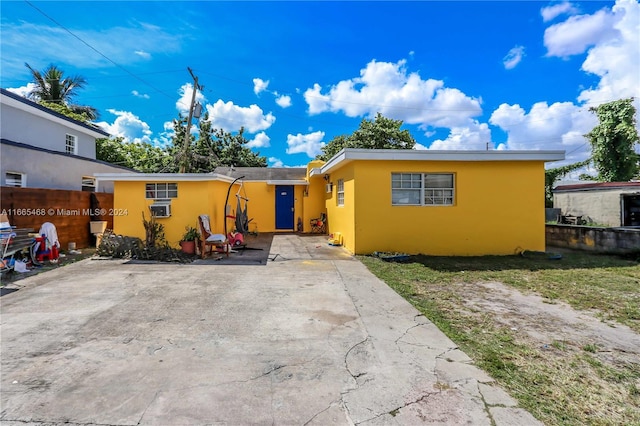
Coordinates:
[553,325]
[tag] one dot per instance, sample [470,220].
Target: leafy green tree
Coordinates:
[54,87]
[379,133]
[142,157]
[66,111]
[552,175]
[613,140]
[231,150]
[212,148]
[334,146]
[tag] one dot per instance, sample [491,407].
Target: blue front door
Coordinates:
[284,207]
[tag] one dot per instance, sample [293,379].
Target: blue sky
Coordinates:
[461,75]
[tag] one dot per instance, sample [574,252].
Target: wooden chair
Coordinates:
[216,242]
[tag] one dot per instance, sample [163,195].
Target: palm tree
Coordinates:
[53,86]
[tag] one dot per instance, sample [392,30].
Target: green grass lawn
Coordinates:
[564,382]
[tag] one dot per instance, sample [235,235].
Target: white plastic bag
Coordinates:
[20,266]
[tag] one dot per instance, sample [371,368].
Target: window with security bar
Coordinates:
[340,193]
[17,180]
[70,144]
[422,189]
[161,190]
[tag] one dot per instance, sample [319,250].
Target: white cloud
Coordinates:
[284,101]
[128,126]
[184,102]
[316,100]
[559,126]
[472,136]
[24,90]
[275,162]
[612,37]
[617,61]
[55,42]
[389,89]
[513,58]
[165,137]
[420,147]
[259,85]
[143,54]
[310,144]
[231,117]
[551,12]
[261,140]
[578,33]
[139,95]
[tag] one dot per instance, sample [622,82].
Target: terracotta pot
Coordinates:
[188,247]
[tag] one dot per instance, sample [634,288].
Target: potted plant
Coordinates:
[188,242]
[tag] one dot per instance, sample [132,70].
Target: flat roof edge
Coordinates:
[350,154]
[145,177]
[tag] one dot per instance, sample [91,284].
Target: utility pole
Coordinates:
[187,137]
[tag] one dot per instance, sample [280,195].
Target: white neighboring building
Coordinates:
[605,203]
[40,148]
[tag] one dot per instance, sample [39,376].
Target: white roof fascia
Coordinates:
[168,177]
[287,182]
[6,100]
[316,171]
[350,154]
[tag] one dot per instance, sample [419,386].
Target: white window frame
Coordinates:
[160,190]
[406,189]
[340,193]
[89,183]
[13,180]
[71,144]
[410,189]
[439,195]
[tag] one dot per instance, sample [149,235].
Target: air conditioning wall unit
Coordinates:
[161,208]
[328,188]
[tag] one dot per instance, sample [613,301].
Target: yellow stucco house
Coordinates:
[411,201]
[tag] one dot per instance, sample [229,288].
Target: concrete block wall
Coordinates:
[594,239]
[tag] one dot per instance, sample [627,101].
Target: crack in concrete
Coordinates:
[322,411]
[485,405]
[346,356]
[65,422]
[407,331]
[273,411]
[274,368]
[395,411]
[420,345]
[155,396]
[451,349]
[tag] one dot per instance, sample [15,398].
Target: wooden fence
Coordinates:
[69,211]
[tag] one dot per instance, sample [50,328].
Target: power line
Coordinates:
[97,51]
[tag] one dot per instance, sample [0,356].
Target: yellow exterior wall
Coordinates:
[201,197]
[498,209]
[341,218]
[261,205]
[314,197]
[194,198]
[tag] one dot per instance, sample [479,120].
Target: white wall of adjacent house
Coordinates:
[41,169]
[602,206]
[28,125]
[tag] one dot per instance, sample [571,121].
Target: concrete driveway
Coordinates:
[311,337]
